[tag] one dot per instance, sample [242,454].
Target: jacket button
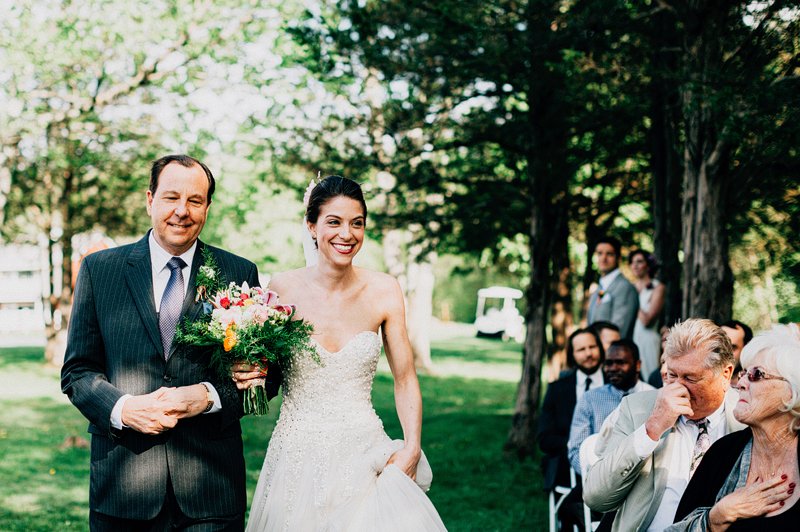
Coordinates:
[167,378]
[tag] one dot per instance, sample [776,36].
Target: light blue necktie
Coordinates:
[171,304]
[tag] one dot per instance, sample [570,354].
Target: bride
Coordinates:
[329,465]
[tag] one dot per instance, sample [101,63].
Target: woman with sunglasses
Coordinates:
[748,479]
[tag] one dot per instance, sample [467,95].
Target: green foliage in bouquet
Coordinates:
[244,324]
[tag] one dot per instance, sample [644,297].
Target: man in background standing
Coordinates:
[615,300]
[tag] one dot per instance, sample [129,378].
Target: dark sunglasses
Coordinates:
[756,374]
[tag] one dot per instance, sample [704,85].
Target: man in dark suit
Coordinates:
[616,299]
[166,440]
[584,354]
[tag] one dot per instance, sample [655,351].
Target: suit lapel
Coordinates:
[139,277]
[614,282]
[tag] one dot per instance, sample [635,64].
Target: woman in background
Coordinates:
[651,300]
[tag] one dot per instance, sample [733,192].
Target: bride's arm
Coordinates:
[407,397]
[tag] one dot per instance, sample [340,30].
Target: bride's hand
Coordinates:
[406,459]
[245,375]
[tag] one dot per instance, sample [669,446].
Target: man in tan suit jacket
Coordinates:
[646,459]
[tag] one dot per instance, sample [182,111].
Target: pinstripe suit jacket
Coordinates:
[114,348]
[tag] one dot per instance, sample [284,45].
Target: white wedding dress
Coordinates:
[325,468]
[648,339]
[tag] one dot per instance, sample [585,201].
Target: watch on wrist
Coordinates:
[209,398]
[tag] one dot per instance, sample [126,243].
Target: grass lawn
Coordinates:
[44,483]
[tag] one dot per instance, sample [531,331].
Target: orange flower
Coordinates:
[230,338]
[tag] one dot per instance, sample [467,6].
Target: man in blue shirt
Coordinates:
[621,368]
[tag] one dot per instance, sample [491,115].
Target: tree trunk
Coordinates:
[521,438]
[707,276]
[420,309]
[561,318]
[665,162]
[415,275]
[546,186]
[61,235]
[708,280]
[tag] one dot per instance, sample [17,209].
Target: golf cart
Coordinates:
[497,315]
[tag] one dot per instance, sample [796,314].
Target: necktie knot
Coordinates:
[176,263]
[588,384]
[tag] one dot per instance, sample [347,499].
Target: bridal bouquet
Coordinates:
[244,324]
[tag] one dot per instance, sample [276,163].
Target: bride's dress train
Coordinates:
[325,465]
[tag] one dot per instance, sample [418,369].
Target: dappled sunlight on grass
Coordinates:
[24,375]
[473,358]
[44,486]
[22,503]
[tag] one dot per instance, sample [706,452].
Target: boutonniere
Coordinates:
[209,281]
[601,293]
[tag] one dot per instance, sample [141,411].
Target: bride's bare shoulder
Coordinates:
[287,281]
[381,283]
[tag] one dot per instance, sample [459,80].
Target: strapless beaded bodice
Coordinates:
[337,391]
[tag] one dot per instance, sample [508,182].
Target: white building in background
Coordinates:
[24,290]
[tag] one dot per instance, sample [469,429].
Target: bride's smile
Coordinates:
[339,231]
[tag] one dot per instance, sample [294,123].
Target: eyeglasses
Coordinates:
[756,374]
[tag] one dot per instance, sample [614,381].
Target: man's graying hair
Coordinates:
[700,335]
[185,161]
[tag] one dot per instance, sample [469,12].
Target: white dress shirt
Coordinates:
[680,461]
[580,384]
[159,257]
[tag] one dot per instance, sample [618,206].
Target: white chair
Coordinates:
[556,499]
[588,457]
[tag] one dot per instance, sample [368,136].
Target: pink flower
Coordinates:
[286,309]
[226,316]
[270,298]
[260,314]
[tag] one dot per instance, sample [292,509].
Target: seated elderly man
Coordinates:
[660,436]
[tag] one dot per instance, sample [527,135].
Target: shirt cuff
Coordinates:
[116,412]
[214,397]
[642,444]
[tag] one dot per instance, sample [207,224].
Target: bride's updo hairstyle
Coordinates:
[331,187]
